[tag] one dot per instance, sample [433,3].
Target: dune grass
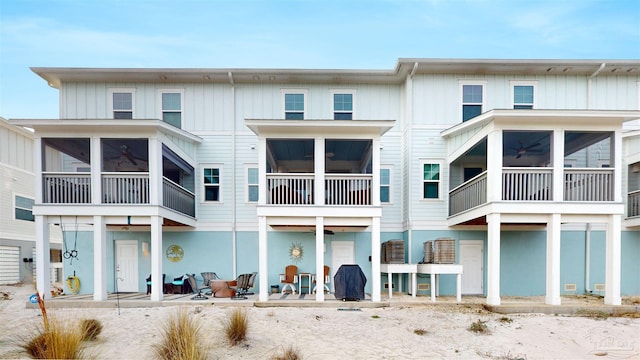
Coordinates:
[236,326]
[181,338]
[289,353]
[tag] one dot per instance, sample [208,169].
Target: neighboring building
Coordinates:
[17,223]
[527,164]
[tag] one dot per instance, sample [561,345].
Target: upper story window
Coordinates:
[121,103]
[212,181]
[342,104]
[523,94]
[294,106]
[431,181]
[24,208]
[171,103]
[472,99]
[252,184]
[385,185]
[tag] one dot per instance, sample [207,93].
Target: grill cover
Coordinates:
[349,283]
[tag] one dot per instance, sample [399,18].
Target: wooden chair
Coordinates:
[327,278]
[289,278]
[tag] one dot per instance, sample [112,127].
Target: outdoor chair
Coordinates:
[207,276]
[289,278]
[149,283]
[327,278]
[195,288]
[243,283]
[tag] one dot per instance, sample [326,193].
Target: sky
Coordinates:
[298,34]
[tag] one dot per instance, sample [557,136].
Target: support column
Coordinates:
[318,170]
[99,259]
[557,161]
[612,261]
[494,166]
[375,259]
[553,260]
[262,259]
[43,261]
[319,259]
[493,259]
[156,258]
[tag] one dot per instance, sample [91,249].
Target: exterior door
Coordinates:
[127,265]
[342,252]
[472,260]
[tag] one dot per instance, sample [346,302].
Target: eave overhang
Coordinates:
[265,127]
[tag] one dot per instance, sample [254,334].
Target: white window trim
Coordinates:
[13,208]
[171,91]
[461,84]
[440,182]
[304,93]
[202,185]
[121,90]
[247,184]
[514,83]
[342,91]
[390,185]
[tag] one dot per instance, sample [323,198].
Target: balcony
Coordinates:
[535,184]
[298,189]
[633,204]
[117,189]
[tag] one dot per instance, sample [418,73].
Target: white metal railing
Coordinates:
[633,204]
[524,184]
[125,188]
[66,188]
[290,189]
[588,184]
[178,198]
[468,194]
[348,189]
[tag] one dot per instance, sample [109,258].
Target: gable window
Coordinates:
[294,106]
[24,208]
[342,105]
[523,95]
[171,102]
[121,103]
[212,183]
[385,185]
[472,100]
[252,184]
[430,181]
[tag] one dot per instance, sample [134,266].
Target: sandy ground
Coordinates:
[397,332]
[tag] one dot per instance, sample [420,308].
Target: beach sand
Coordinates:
[411,331]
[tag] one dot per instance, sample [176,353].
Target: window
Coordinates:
[121,103]
[24,208]
[212,182]
[171,102]
[523,94]
[385,185]
[342,105]
[294,106]
[431,181]
[471,101]
[252,184]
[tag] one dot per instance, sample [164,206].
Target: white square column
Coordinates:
[43,261]
[99,259]
[553,260]
[263,295]
[375,259]
[319,259]
[612,261]
[156,258]
[493,259]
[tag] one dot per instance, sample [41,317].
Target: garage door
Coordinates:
[9,265]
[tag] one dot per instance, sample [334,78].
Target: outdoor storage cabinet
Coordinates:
[349,283]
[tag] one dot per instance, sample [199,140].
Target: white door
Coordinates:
[342,252]
[471,258]
[127,265]
[9,265]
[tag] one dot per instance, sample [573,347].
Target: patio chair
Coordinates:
[289,278]
[327,278]
[207,276]
[195,287]
[243,284]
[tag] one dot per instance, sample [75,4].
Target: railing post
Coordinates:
[557,161]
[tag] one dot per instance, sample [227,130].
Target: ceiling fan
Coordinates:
[522,150]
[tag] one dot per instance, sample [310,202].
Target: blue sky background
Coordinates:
[328,34]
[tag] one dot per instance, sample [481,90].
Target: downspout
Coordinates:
[409,153]
[587,261]
[589,84]
[233,176]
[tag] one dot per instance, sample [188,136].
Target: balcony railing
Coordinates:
[468,195]
[125,188]
[298,189]
[178,198]
[65,188]
[633,204]
[588,185]
[525,184]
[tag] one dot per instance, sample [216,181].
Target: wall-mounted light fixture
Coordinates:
[145,248]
